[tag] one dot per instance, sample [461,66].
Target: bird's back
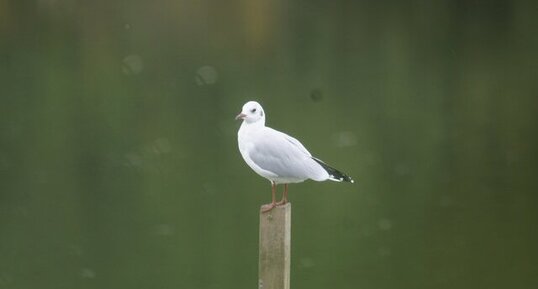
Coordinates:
[283,156]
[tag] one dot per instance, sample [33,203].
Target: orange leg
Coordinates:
[269,207]
[284,196]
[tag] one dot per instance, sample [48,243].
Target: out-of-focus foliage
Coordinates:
[119,166]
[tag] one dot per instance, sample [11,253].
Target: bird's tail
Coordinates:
[334,174]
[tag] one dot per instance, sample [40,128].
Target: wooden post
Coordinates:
[275,241]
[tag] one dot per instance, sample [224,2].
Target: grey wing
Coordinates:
[284,156]
[296,143]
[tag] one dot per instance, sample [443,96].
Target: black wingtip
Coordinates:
[334,174]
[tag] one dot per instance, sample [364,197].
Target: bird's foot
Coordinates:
[282,202]
[268,207]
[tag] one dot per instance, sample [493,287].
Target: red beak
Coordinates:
[241,116]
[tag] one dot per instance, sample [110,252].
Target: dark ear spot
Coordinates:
[261,112]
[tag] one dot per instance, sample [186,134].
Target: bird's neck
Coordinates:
[246,126]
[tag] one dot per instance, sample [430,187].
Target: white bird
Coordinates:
[277,156]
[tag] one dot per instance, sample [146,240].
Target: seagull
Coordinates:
[277,156]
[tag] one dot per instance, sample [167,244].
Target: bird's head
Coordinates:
[252,112]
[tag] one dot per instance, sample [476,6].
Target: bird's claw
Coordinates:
[268,207]
[282,202]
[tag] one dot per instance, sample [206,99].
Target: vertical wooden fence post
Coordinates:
[275,243]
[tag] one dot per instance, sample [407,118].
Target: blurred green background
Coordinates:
[119,165]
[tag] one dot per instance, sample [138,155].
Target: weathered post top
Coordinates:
[275,243]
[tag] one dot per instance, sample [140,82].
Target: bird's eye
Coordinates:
[253,110]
